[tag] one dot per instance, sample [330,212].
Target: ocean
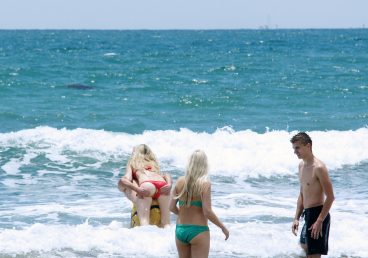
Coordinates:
[73,104]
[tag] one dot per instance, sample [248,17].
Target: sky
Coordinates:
[182,14]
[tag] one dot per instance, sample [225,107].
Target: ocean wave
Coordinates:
[235,153]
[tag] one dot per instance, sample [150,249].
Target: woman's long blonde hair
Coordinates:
[195,177]
[143,155]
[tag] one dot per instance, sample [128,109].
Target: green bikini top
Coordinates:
[192,203]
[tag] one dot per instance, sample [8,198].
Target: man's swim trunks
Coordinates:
[320,245]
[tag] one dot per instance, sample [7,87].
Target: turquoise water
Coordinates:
[283,80]
[74,103]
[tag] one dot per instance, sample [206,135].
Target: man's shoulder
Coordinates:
[319,163]
[320,166]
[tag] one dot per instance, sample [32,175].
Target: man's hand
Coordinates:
[316,229]
[295,226]
[165,190]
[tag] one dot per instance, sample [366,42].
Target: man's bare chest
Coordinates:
[308,179]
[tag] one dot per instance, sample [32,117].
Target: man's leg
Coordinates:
[304,246]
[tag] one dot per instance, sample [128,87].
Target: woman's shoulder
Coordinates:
[206,185]
[180,180]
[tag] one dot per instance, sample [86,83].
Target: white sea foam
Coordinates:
[239,153]
[14,164]
[252,239]
[258,218]
[113,238]
[110,54]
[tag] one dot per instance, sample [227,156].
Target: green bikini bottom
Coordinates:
[186,232]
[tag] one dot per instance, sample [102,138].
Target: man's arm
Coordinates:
[326,184]
[324,179]
[299,206]
[298,213]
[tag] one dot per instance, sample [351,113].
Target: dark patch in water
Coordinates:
[79,86]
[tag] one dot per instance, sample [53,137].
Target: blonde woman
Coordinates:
[193,193]
[143,181]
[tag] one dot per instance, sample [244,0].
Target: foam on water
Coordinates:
[12,167]
[112,238]
[251,239]
[242,153]
[59,196]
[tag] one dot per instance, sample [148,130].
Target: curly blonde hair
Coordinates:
[142,156]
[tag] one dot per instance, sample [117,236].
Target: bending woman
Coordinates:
[193,193]
[143,182]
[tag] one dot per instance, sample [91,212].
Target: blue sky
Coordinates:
[182,14]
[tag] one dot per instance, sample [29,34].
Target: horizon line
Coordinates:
[188,29]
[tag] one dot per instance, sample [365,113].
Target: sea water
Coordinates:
[73,104]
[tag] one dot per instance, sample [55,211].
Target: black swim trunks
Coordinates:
[320,245]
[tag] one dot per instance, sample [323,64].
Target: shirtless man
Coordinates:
[315,198]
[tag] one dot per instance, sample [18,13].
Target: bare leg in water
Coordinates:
[144,204]
[163,202]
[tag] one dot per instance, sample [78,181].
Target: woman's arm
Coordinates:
[208,212]
[167,188]
[173,207]
[168,179]
[127,180]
